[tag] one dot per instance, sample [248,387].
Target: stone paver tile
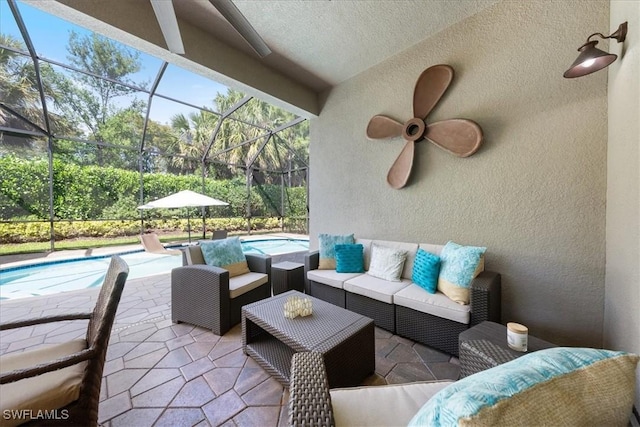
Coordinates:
[403,353]
[148,360]
[224,347]
[409,372]
[283,421]
[454,360]
[266,393]
[138,417]
[163,335]
[199,349]
[222,380]
[123,380]
[237,359]
[69,336]
[140,335]
[444,371]
[250,363]
[258,416]
[195,393]
[112,366]
[26,343]
[381,333]
[205,423]
[159,396]
[119,349]
[430,355]
[182,328]
[234,334]
[142,349]
[248,378]
[153,378]
[374,379]
[384,365]
[180,341]
[164,324]
[385,346]
[197,368]
[223,408]
[175,359]
[207,336]
[174,417]
[103,390]
[402,340]
[113,407]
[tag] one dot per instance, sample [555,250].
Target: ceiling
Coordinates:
[322,43]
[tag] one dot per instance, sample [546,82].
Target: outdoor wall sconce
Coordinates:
[592,59]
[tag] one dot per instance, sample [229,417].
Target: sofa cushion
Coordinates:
[410,248]
[327,259]
[349,258]
[374,287]
[225,253]
[555,386]
[385,405]
[330,277]
[244,283]
[426,270]
[438,304]
[459,265]
[386,263]
[43,392]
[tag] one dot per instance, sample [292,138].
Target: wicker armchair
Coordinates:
[205,296]
[69,386]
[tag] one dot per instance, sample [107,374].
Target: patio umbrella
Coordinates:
[185,199]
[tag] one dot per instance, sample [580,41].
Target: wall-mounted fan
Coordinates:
[166,16]
[460,137]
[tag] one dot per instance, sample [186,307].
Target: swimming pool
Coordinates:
[67,275]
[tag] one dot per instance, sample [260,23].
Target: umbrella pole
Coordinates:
[189,226]
[204,226]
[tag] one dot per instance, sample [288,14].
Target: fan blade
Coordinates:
[460,137]
[380,127]
[431,85]
[237,20]
[401,169]
[168,22]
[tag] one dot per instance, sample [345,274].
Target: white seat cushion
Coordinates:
[374,287]
[330,277]
[244,283]
[387,405]
[438,304]
[45,392]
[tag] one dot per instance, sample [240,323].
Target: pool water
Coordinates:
[69,275]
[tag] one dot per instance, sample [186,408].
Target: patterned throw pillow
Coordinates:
[386,263]
[426,269]
[349,258]
[225,253]
[459,264]
[556,386]
[327,250]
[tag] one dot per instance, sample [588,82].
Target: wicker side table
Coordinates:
[485,346]
[287,276]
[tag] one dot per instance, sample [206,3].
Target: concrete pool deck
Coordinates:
[34,258]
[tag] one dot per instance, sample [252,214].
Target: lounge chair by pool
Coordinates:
[151,243]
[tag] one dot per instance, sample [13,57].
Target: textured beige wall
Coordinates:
[622,284]
[535,192]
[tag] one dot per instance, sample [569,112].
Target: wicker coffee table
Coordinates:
[345,339]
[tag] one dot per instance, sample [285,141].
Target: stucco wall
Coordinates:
[534,194]
[622,284]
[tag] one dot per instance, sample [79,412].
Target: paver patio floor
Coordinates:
[163,374]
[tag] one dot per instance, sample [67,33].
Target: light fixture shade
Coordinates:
[591,59]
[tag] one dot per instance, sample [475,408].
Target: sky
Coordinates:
[50,36]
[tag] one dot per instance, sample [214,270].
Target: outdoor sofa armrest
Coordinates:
[309,398]
[311,262]
[200,296]
[486,291]
[259,263]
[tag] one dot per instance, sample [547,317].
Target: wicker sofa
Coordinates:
[205,296]
[404,308]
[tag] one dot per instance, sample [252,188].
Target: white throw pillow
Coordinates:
[386,263]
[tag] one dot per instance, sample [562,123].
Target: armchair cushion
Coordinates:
[225,253]
[45,392]
[386,405]
[244,283]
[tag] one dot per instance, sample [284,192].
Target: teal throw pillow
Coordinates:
[349,258]
[225,253]
[327,251]
[555,386]
[457,270]
[426,269]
